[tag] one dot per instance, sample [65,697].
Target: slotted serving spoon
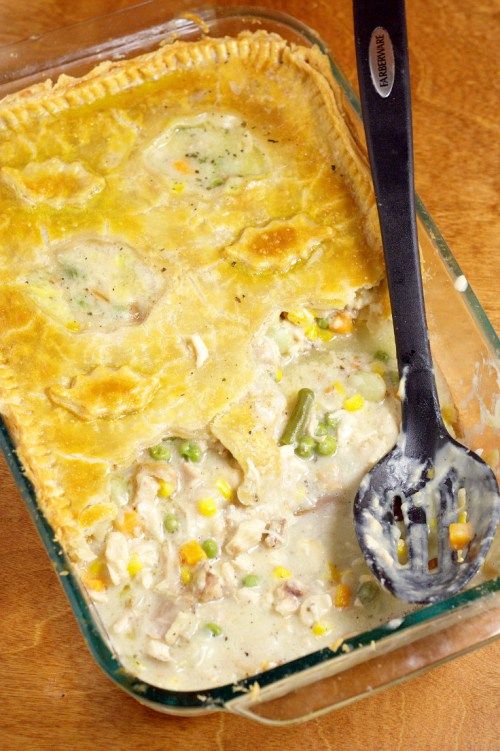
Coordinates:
[428,481]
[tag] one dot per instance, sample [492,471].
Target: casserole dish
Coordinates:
[272,681]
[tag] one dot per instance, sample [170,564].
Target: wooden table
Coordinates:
[52,694]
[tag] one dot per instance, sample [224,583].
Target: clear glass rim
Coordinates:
[221,696]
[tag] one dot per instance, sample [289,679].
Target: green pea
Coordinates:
[368,592]
[211,548]
[250,580]
[160,453]
[171,523]
[305,447]
[323,323]
[327,445]
[190,451]
[214,628]
[331,420]
[381,356]
[322,429]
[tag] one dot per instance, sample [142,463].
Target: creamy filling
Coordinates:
[94,284]
[198,586]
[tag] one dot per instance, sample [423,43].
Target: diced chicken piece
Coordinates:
[117,557]
[151,515]
[247,536]
[314,607]
[161,471]
[158,650]
[275,533]
[146,487]
[191,472]
[229,574]
[213,589]
[168,567]
[98,596]
[122,624]
[248,491]
[287,597]
[208,583]
[183,627]
[268,351]
[199,348]
[243,562]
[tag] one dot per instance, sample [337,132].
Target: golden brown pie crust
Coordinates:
[82,404]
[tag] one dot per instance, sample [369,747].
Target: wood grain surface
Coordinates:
[52,694]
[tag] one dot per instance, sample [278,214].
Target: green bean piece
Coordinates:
[381,356]
[211,548]
[214,628]
[297,421]
[171,523]
[250,580]
[327,445]
[368,592]
[160,453]
[305,447]
[190,451]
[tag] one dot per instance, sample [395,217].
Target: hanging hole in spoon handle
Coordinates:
[411,545]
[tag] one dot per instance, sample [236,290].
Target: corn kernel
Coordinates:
[280,572]
[378,367]
[73,326]
[353,403]
[129,523]
[96,584]
[402,552]
[191,552]
[278,376]
[186,575]
[181,166]
[224,488]
[312,332]
[462,517]
[324,334]
[334,572]
[94,576]
[342,324]
[207,506]
[178,188]
[343,596]
[338,387]
[134,565]
[96,568]
[301,317]
[165,489]
[96,513]
[460,535]
[320,628]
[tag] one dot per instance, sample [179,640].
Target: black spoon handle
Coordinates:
[384,82]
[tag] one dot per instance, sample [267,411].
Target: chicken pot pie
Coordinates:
[196,358]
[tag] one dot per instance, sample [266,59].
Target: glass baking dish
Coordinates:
[460,333]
